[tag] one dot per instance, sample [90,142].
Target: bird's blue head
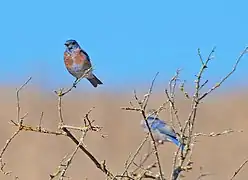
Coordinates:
[71,44]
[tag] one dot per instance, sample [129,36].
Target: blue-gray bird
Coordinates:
[161,131]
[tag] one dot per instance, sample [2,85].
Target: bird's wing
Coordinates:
[85,54]
[169,132]
[163,128]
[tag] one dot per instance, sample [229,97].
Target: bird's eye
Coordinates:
[73,43]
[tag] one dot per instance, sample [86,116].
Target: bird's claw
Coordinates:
[74,84]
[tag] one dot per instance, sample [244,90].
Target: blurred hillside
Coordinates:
[35,156]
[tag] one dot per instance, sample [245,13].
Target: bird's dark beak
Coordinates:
[66,44]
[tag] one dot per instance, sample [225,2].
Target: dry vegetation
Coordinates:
[57,136]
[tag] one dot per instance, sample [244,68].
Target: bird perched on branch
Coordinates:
[77,62]
[161,131]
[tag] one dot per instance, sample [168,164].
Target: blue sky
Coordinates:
[128,41]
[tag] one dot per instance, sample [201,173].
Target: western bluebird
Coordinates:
[161,131]
[77,62]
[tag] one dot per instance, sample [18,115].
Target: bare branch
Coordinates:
[4,149]
[147,96]
[200,56]
[171,97]
[202,174]
[227,76]
[40,121]
[142,162]
[213,134]
[99,165]
[18,98]
[19,124]
[149,128]
[135,154]
[61,92]
[239,169]
[142,108]
[40,130]
[69,161]
[173,109]
[187,132]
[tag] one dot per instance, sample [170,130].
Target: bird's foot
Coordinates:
[74,84]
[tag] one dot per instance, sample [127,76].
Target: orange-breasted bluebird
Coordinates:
[77,62]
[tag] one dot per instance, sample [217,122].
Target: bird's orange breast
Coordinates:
[79,57]
[68,60]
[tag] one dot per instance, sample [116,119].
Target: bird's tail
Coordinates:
[94,80]
[178,143]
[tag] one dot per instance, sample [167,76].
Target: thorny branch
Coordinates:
[182,160]
[213,134]
[3,151]
[188,129]
[102,166]
[127,165]
[19,124]
[227,76]
[171,98]
[18,98]
[142,109]
[63,167]
[63,130]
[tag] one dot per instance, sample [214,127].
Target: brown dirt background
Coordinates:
[34,156]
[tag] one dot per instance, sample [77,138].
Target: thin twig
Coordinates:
[61,92]
[5,148]
[200,56]
[100,166]
[18,123]
[40,130]
[59,169]
[175,111]
[239,169]
[142,109]
[142,162]
[18,98]
[227,76]
[149,128]
[171,98]
[135,154]
[213,134]
[147,96]
[69,161]
[40,121]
